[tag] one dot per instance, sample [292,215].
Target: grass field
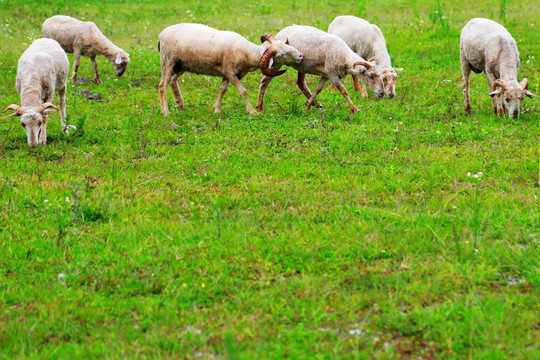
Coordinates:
[408,230]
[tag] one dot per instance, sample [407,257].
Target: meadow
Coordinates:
[408,230]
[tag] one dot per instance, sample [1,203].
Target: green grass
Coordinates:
[289,234]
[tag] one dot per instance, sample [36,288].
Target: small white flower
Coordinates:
[476,250]
[476,176]
[45,201]
[468,173]
[358,332]
[61,276]
[67,199]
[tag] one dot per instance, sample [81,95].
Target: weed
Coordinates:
[290,234]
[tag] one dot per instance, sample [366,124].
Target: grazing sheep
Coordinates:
[329,57]
[43,69]
[368,42]
[200,49]
[487,46]
[84,38]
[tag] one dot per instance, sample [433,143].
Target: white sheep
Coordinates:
[84,38]
[487,46]
[200,49]
[42,69]
[368,42]
[329,57]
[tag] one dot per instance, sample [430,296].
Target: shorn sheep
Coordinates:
[487,46]
[200,49]
[42,69]
[84,38]
[368,42]
[327,56]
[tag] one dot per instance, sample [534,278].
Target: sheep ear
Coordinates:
[496,92]
[118,60]
[287,41]
[398,69]
[359,68]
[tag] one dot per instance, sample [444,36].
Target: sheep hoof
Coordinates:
[98,81]
[65,130]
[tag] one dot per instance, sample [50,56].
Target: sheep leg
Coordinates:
[466,71]
[363,90]
[166,75]
[320,86]
[243,92]
[222,89]
[76,63]
[357,85]
[345,94]
[262,90]
[498,107]
[96,74]
[42,137]
[62,106]
[176,91]
[301,83]
[43,131]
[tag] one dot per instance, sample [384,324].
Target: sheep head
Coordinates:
[32,119]
[278,53]
[370,75]
[120,63]
[389,76]
[510,95]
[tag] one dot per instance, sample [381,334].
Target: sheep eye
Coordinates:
[23,125]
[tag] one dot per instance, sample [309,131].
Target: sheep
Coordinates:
[367,41]
[487,46]
[84,38]
[329,57]
[42,69]
[200,49]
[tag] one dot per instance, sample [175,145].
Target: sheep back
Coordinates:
[488,45]
[43,66]
[74,34]
[200,49]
